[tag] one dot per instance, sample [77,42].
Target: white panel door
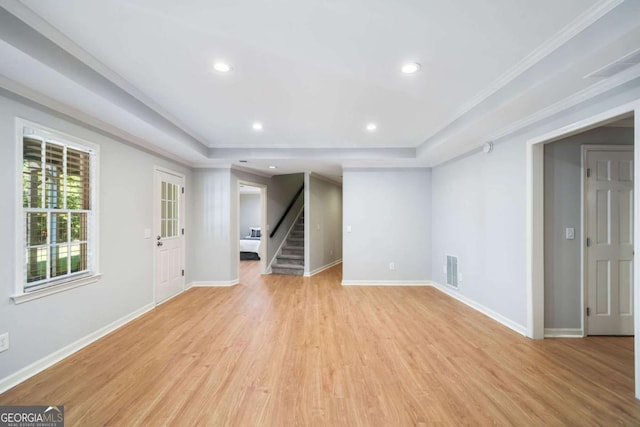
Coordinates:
[169,238]
[609,251]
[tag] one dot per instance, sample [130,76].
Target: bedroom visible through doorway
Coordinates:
[251,223]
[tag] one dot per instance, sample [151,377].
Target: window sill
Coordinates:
[40,293]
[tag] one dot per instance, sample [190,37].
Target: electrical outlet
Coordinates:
[392,266]
[4,342]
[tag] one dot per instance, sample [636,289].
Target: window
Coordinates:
[58,185]
[169,201]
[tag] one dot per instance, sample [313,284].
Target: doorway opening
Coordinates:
[252,224]
[588,232]
[535,223]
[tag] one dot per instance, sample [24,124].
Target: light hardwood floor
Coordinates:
[285,351]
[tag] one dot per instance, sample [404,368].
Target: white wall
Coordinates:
[41,327]
[324,216]
[479,216]
[213,228]
[389,214]
[562,205]
[250,213]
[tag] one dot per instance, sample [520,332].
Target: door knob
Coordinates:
[159,243]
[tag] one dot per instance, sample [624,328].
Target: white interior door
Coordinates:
[609,250]
[169,237]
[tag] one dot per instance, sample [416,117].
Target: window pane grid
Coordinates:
[169,210]
[32,173]
[57,210]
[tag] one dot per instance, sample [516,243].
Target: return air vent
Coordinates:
[617,66]
[452,271]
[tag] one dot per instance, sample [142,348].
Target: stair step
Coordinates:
[295,239]
[293,250]
[288,269]
[291,256]
[290,259]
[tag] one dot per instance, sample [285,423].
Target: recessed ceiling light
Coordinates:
[222,67]
[273,167]
[371,127]
[257,126]
[410,68]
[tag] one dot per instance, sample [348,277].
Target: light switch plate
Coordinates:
[570,233]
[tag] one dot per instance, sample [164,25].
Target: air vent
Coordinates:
[452,271]
[617,66]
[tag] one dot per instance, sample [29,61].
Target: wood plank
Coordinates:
[288,350]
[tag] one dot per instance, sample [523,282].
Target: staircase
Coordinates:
[290,260]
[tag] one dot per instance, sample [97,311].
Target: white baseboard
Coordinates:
[321,269]
[214,283]
[563,333]
[481,308]
[47,361]
[386,283]
[186,287]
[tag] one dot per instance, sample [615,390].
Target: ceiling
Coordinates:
[313,73]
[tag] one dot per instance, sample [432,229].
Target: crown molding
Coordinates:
[586,19]
[568,102]
[44,28]
[79,117]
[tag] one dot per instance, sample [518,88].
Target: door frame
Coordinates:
[181,224]
[264,242]
[585,149]
[534,232]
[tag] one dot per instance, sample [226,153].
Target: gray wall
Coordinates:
[389,213]
[250,213]
[280,192]
[562,186]
[40,327]
[479,212]
[324,217]
[479,216]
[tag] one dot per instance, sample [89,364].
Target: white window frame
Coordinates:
[70,281]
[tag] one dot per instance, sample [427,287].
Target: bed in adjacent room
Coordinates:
[250,245]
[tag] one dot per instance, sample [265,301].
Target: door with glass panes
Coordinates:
[169,237]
